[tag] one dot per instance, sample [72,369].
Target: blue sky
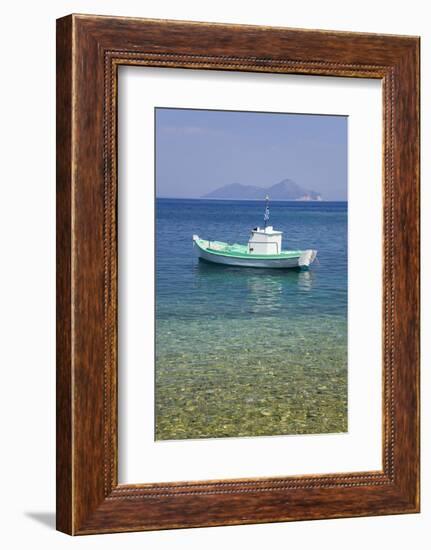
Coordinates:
[198,151]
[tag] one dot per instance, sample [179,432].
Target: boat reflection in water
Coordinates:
[266,292]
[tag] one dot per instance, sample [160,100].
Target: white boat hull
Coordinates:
[303,260]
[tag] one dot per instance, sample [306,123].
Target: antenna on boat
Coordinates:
[266,215]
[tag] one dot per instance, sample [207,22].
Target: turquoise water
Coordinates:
[246,352]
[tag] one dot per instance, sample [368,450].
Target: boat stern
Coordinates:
[307,258]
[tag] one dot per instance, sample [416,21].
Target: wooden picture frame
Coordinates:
[89,51]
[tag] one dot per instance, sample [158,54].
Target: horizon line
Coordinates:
[256,200]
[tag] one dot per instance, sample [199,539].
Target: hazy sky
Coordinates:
[198,151]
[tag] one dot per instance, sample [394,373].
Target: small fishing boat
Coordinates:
[262,250]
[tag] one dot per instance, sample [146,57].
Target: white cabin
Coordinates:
[265,241]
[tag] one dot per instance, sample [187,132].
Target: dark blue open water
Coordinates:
[242,351]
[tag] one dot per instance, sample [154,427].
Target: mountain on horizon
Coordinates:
[285,190]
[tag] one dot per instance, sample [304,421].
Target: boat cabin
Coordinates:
[265,241]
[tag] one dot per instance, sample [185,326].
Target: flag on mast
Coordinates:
[266,215]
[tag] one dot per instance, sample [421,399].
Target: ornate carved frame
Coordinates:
[89,51]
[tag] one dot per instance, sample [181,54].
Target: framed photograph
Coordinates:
[237,274]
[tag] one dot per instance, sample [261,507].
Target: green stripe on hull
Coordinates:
[218,248]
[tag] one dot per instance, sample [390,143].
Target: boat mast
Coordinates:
[266,215]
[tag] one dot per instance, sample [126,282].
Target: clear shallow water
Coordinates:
[241,351]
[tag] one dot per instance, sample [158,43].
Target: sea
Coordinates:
[246,352]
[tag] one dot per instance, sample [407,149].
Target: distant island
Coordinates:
[286,190]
